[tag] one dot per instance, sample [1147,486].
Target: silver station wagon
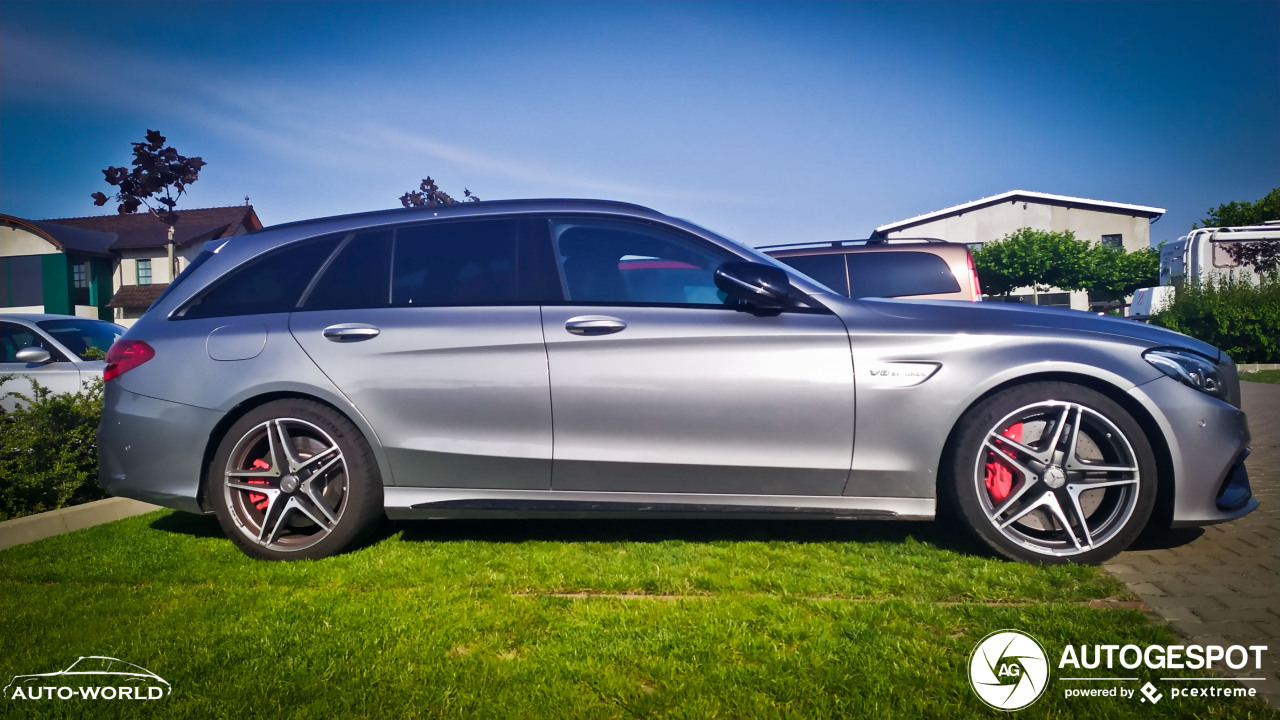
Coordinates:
[572,358]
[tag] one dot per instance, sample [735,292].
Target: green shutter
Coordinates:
[55,271]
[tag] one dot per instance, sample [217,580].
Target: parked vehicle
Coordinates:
[570,358]
[922,268]
[1202,253]
[1149,301]
[1199,256]
[60,352]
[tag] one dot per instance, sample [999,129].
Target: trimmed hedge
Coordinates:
[1241,318]
[49,449]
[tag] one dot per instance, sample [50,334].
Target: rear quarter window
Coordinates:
[268,284]
[899,274]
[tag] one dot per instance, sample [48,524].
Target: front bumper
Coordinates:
[1208,442]
[152,450]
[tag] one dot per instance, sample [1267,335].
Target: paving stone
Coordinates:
[1223,586]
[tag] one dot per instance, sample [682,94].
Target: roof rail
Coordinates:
[848,243]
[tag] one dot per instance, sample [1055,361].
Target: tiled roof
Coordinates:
[143,230]
[136,296]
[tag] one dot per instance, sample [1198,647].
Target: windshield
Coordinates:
[88,339]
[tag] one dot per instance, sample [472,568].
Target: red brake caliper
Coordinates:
[999,478]
[258,499]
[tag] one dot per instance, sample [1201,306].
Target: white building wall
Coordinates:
[994,222]
[16,241]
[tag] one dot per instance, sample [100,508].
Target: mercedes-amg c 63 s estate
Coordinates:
[567,358]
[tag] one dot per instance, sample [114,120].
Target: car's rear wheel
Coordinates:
[293,480]
[1052,472]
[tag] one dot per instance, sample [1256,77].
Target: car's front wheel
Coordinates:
[1052,472]
[293,479]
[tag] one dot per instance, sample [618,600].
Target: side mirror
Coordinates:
[756,284]
[33,354]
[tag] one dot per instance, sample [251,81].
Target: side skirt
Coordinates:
[405,503]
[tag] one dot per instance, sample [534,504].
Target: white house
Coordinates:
[991,218]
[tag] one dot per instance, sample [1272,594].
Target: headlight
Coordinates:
[1189,369]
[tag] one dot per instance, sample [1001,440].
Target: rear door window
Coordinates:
[471,262]
[899,274]
[358,276]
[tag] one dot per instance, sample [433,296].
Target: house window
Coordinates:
[1114,241]
[144,271]
[80,293]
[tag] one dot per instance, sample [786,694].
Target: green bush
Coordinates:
[1239,317]
[49,449]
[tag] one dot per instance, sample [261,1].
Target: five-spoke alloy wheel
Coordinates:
[1052,472]
[293,479]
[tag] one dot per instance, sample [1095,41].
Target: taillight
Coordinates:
[973,281]
[126,355]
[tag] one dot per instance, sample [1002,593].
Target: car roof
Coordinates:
[39,317]
[470,209]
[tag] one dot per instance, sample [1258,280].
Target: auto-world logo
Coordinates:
[91,677]
[1009,670]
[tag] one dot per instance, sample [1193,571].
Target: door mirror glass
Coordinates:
[33,355]
[756,284]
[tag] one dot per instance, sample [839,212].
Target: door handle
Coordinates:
[594,325]
[350,332]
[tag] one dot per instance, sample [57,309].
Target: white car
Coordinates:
[60,352]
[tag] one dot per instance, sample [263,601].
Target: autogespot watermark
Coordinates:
[1009,670]
[90,677]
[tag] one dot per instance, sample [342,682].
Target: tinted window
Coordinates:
[359,276]
[465,263]
[897,274]
[826,269]
[616,262]
[269,284]
[80,334]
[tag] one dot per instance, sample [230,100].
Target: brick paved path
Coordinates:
[1222,585]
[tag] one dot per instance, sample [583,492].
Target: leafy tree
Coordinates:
[1239,316]
[1038,259]
[1114,273]
[428,194]
[1262,255]
[159,175]
[1236,213]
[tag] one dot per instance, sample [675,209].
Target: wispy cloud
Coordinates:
[287,124]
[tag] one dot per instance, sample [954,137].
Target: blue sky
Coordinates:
[765,122]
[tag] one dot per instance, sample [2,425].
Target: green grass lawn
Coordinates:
[558,619]
[1263,376]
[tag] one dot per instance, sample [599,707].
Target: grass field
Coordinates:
[1263,376]
[558,619]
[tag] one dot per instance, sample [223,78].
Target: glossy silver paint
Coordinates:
[598,408]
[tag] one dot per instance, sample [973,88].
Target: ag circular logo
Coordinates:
[1009,670]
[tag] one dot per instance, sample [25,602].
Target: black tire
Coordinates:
[1082,500]
[321,493]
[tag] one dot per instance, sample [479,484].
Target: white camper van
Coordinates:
[1200,255]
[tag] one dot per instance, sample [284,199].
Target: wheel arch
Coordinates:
[248,405]
[1161,515]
